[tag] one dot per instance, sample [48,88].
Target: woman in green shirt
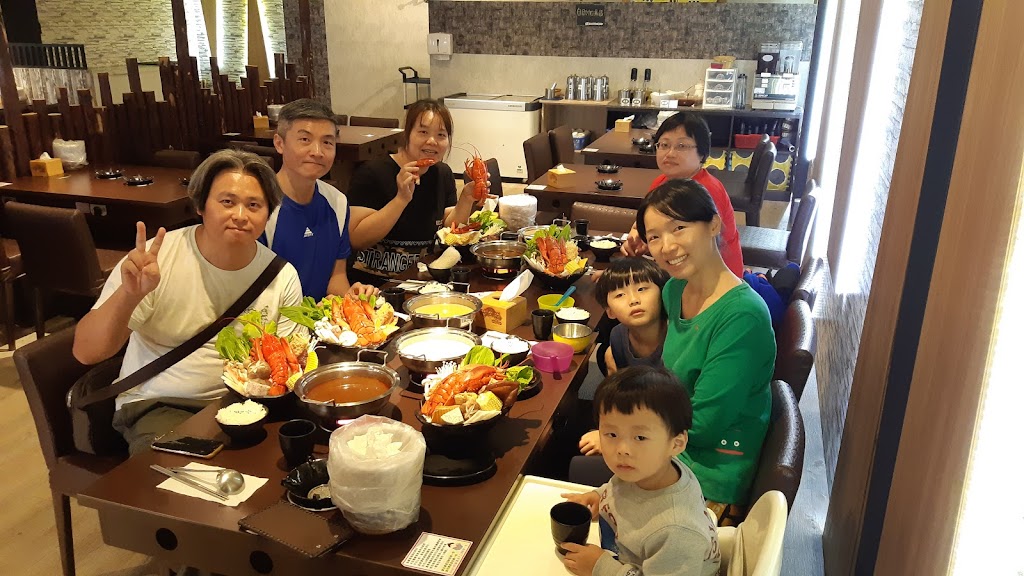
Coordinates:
[719,342]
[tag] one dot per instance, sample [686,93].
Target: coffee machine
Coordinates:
[777,80]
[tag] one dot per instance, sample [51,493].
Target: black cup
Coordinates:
[570,522]
[297,438]
[395,297]
[460,287]
[460,274]
[543,321]
[582,225]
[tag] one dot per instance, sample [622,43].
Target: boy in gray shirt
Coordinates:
[653,503]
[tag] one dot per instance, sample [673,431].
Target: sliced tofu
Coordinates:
[452,417]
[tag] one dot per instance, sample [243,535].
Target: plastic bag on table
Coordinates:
[70,152]
[376,470]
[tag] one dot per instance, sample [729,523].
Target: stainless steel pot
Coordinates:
[499,257]
[421,320]
[328,413]
[424,364]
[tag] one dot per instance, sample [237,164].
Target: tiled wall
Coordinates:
[678,31]
[841,320]
[318,42]
[111,30]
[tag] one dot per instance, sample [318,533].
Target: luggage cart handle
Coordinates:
[405,78]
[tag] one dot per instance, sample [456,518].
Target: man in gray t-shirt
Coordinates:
[653,503]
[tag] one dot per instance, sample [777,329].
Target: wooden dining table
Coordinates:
[636,183]
[180,530]
[618,148]
[112,206]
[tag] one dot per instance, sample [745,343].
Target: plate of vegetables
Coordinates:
[348,321]
[258,363]
[555,257]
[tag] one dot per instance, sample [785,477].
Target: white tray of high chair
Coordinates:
[519,540]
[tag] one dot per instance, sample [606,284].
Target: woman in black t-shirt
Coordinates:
[397,206]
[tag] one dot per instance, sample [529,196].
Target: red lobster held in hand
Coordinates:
[476,171]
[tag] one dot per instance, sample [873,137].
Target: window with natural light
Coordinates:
[991,526]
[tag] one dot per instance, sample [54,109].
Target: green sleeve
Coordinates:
[739,355]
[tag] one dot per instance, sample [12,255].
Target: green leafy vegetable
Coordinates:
[521,374]
[478,355]
[305,314]
[230,346]
[487,219]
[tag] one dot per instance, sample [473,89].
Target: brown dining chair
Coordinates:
[188,159]
[373,122]
[771,248]
[781,464]
[539,159]
[494,175]
[10,271]
[562,150]
[747,196]
[58,253]
[47,369]
[796,344]
[604,218]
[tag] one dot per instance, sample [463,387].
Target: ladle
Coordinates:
[227,481]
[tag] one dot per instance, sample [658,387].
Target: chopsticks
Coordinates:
[186,479]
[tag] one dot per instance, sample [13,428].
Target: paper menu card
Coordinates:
[437,554]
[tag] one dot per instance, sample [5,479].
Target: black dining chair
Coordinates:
[373,122]
[562,150]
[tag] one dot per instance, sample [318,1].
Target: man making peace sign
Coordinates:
[169,289]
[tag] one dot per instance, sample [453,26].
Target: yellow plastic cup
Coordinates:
[547,302]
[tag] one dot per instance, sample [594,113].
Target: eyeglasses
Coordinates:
[680,147]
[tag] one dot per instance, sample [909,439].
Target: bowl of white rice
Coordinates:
[572,316]
[242,421]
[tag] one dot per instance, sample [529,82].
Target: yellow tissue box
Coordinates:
[261,122]
[622,125]
[502,316]
[561,177]
[45,168]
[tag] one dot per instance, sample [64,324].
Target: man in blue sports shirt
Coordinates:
[310,227]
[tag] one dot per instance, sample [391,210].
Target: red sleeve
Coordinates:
[732,254]
[658,182]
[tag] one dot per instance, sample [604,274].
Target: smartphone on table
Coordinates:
[205,448]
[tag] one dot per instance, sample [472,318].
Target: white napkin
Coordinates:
[517,287]
[252,484]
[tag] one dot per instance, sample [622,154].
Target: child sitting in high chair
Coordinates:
[653,503]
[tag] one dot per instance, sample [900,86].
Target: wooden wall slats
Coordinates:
[190,117]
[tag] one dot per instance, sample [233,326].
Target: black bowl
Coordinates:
[583,242]
[302,479]
[458,435]
[442,275]
[555,283]
[245,433]
[516,358]
[605,254]
[642,141]
[138,180]
[609,184]
[647,148]
[608,168]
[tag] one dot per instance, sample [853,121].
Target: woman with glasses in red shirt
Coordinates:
[683,144]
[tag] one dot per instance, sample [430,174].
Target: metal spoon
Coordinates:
[227,481]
